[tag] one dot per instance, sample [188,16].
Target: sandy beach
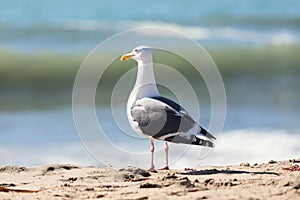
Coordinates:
[272,180]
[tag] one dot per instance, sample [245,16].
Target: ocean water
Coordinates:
[49,136]
[255,44]
[81,25]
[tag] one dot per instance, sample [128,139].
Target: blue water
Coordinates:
[80,25]
[35,137]
[261,114]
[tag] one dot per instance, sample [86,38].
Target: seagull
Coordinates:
[157,117]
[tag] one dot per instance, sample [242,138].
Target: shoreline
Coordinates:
[272,180]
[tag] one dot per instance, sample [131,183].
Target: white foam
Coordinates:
[234,147]
[254,145]
[282,37]
[95,25]
[225,33]
[219,34]
[69,153]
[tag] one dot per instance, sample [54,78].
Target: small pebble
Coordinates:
[272,162]
[209,181]
[99,196]
[150,185]
[246,164]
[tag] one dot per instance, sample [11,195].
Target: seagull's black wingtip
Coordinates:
[207,134]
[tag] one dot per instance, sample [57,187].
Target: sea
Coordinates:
[255,45]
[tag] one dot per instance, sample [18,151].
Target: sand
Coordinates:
[273,180]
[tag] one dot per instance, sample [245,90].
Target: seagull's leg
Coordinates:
[152,168]
[167,157]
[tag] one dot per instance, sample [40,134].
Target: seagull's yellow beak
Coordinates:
[127,56]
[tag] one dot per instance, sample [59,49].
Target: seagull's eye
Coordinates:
[136,50]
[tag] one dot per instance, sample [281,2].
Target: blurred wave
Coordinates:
[226,35]
[54,71]
[79,35]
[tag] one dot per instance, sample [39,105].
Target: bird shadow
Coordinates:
[227,171]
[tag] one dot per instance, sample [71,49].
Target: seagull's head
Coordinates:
[140,54]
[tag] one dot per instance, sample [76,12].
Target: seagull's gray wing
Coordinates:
[164,119]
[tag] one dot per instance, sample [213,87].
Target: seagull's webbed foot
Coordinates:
[152,169]
[165,168]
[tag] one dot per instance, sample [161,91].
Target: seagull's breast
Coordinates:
[138,111]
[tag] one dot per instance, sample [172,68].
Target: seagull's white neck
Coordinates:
[145,82]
